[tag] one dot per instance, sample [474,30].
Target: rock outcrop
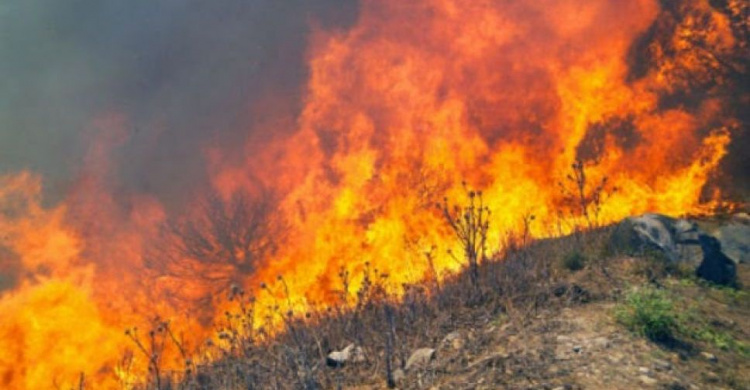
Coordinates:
[676,239]
[716,266]
[682,242]
[734,238]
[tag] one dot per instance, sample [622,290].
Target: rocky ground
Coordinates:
[582,347]
[576,341]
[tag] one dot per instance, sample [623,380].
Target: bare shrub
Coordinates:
[154,348]
[574,261]
[470,224]
[582,195]
[220,244]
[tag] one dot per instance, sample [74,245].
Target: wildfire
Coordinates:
[515,98]
[419,97]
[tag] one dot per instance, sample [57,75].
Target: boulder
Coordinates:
[682,241]
[716,267]
[677,239]
[734,238]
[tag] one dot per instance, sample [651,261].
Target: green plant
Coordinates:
[731,294]
[574,261]
[649,313]
[695,325]
[655,266]
[720,339]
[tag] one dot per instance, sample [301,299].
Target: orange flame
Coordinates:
[420,96]
[399,110]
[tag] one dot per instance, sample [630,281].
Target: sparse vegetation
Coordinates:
[654,266]
[574,261]
[522,301]
[719,339]
[649,312]
[697,325]
[516,295]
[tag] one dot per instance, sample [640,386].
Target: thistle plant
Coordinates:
[470,224]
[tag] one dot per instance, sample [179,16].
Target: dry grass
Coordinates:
[510,330]
[514,288]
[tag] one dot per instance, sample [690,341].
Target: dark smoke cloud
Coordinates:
[184,73]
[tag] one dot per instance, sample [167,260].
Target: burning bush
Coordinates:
[221,243]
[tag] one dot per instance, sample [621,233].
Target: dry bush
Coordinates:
[517,284]
[470,224]
[243,355]
[582,196]
[219,244]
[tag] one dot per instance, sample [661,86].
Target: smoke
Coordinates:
[184,74]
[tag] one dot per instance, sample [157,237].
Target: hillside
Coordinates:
[564,313]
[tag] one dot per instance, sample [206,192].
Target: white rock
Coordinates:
[454,340]
[662,365]
[420,358]
[709,356]
[647,380]
[351,354]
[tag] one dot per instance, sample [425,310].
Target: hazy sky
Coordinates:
[191,66]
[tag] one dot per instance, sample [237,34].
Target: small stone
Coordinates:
[615,358]
[647,380]
[741,217]
[644,371]
[420,358]
[601,342]
[711,377]
[454,340]
[351,353]
[709,357]
[563,339]
[577,348]
[675,385]
[662,365]
[451,336]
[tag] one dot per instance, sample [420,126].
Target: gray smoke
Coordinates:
[184,73]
